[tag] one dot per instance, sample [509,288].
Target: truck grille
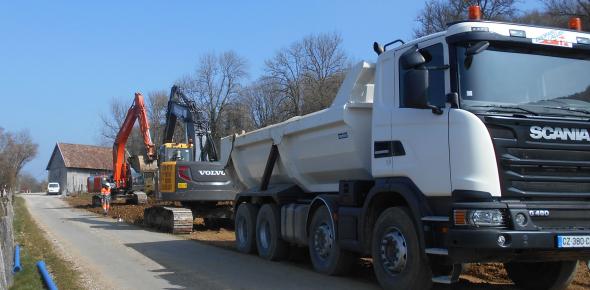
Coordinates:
[533,168]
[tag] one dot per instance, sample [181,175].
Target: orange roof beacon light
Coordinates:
[474,12]
[575,23]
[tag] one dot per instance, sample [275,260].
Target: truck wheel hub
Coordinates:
[394,251]
[323,240]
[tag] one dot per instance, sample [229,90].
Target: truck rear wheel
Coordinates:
[326,255]
[542,275]
[268,234]
[245,228]
[398,261]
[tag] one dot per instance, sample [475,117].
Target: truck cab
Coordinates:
[488,122]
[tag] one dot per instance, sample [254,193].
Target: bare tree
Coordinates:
[325,65]
[541,17]
[112,122]
[309,72]
[265,105]
[287,69]
[562,10]
[234,120]
[217,82]
[113,119]
[27,181]
[438,13]
[157,104]
[16,150]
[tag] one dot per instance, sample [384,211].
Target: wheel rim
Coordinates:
[393,251]
[323,241]
[264,234]
[241,230]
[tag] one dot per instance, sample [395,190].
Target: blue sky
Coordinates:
[61,62]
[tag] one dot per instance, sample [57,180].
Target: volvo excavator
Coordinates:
[188,172]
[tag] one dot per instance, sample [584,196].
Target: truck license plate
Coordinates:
[573,241]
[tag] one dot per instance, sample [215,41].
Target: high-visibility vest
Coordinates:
[105,191]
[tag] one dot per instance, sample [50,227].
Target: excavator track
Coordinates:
[174,220]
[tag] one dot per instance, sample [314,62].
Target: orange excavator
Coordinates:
[121,172]
[131,181]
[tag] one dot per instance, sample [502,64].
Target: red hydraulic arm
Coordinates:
[137,111]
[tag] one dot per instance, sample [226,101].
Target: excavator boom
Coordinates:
[180,107]
[120,166]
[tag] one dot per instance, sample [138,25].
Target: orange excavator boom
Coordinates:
[120,166]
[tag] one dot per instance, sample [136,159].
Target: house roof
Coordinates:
[83,156]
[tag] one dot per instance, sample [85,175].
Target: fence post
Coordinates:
[6,241]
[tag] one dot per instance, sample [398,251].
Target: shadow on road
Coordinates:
[240,271]
[107,225]
[201,266]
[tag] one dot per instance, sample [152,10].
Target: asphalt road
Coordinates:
[122,256]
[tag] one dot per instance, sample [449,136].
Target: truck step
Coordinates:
[436,218]
[442,280]
[437,251]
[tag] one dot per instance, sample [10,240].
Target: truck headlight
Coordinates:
[479,217]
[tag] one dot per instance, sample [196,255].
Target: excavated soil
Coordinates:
[475,276]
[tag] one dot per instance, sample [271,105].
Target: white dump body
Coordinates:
[317,150]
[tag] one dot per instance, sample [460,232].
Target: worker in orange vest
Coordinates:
[105,196]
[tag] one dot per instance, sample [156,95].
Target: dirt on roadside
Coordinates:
[476,276]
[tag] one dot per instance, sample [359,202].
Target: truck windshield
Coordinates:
[533,82]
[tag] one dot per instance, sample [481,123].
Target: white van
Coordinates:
[53,188]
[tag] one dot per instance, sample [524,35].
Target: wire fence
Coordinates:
[6,240]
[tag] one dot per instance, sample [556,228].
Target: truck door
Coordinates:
[419,136]
[383,103]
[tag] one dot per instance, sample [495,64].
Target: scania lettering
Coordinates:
[468,145]
[565,134]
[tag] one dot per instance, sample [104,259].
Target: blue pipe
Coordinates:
[46,277]
[17,267]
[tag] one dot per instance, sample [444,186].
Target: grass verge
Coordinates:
[35,247]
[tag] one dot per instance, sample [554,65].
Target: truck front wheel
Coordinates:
[326,255]
[398,261]
[245,228]
[542,275]
[268,234]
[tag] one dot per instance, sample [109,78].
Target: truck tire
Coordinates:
[268,234]
[398,261]
[245,225]
[324,251]
[542,275]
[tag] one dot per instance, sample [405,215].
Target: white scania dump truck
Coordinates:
[469,145]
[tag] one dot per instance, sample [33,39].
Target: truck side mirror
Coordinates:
[412,59]
[416,88]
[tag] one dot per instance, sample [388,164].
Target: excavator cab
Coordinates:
[175,152]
